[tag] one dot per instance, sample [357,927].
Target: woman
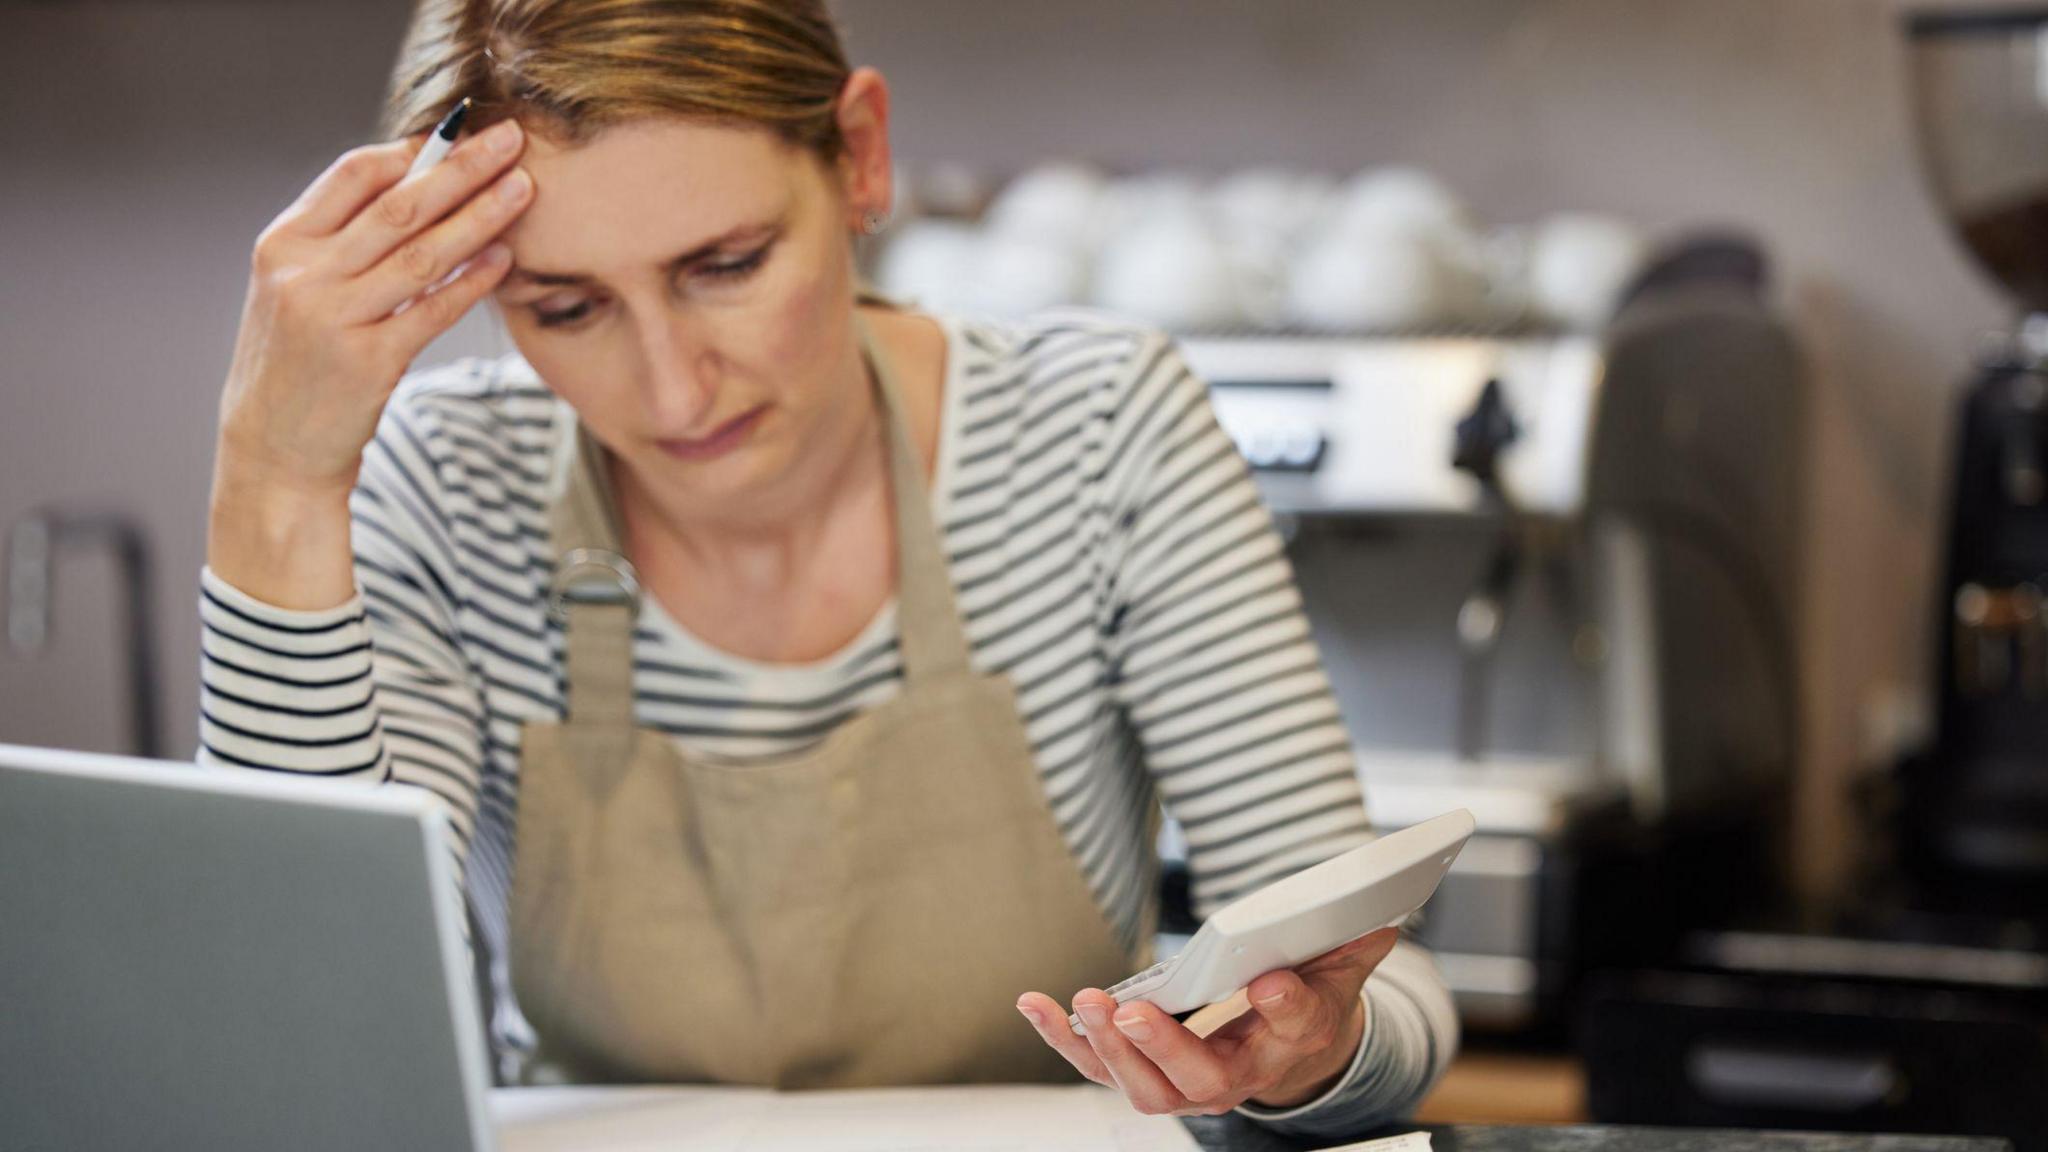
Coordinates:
[824,662]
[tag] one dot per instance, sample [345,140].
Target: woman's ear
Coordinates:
[865,170]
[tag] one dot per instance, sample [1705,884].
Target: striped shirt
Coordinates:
[1111,558]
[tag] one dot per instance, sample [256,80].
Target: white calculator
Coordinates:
[1297,919]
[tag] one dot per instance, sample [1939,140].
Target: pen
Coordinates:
[440,140]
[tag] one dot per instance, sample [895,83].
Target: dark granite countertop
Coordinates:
[1233,1134]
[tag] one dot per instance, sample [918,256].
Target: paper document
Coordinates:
[1406,1142]
[690,1119]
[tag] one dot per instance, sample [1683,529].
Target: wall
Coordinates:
[145,144]
[142,147]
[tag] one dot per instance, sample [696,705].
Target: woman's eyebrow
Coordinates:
[741,232]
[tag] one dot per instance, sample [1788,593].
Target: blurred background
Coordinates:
[1660,465]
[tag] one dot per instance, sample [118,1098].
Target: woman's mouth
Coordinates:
[719,441]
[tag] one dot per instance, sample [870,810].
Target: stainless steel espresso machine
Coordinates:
[1550,574]
[1917,1000]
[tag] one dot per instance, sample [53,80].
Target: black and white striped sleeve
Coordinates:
[377,689]
[1215,665]
[1220,678]
[287,691]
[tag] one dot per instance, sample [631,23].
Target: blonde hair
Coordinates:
[570,68]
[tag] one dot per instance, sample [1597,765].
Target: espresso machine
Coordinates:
[1550,573]
[1916,1001]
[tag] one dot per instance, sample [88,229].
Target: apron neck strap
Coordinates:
[933,640]
[595,594]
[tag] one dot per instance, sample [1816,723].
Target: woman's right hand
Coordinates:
[320,347]
[341,300]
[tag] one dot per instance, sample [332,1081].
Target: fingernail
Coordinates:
[1135,1027]
[1092,1015]
[514,186]
[502,136]
[1272,1001]
[1032,1015]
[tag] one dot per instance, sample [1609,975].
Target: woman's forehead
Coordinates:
[662,157]
[642,187]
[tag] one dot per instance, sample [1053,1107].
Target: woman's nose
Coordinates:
[681,374]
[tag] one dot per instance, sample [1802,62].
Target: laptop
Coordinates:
[194,957]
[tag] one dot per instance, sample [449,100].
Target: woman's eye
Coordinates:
[734,269]
[562,317]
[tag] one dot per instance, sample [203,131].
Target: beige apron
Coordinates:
[864,913]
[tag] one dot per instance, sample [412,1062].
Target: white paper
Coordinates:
[1406,1142]
[995,1119]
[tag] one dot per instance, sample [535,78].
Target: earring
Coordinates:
[873,222]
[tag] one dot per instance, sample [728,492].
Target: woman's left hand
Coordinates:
[1303,1029]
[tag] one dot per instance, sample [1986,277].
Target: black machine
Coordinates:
[1919,1002]
[1975,808]
[1976,805]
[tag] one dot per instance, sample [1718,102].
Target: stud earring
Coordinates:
[873,222]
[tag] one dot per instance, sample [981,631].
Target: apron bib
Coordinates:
[864,913]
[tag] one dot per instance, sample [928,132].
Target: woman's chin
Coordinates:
[735,474]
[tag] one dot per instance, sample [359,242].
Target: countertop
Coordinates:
[584,1118]
[1233,1134]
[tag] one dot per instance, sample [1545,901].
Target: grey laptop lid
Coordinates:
[227,960]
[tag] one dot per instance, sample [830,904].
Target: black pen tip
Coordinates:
[451,124]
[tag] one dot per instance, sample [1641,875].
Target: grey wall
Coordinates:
[142,147]
[137,168]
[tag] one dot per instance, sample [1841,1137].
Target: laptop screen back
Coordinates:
[200,958]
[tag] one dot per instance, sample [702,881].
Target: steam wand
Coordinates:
[1481,436]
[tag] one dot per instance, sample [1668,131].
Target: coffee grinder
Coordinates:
[1974,808]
